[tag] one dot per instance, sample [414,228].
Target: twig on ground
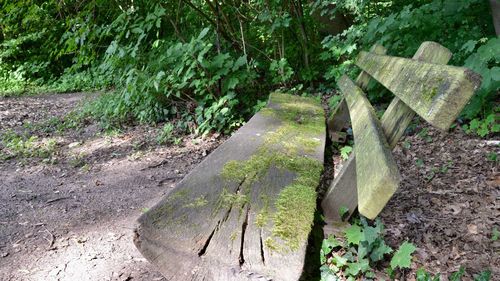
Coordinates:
[51,240]
[56,199]
[155,165]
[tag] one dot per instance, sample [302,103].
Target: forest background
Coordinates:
[207,66]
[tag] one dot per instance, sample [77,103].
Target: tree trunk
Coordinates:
[495,12]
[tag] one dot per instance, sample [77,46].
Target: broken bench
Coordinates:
[424,85]
[245,212]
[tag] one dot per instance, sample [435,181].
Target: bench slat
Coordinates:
[343,192]
[397,117]
[245,212]
[437,93]
[376,171]
[340,115]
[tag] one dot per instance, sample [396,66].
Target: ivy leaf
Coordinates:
[355,268]
[240,62]
[327,274]
[378,252]
[339,261]
[363,249]
[469,46]
[329,244]
[402,258]
[353,234]
[345,151]
[370,234]
[232,83]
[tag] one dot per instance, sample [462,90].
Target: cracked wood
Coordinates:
[192,235]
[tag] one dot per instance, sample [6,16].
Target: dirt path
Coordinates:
[70,216]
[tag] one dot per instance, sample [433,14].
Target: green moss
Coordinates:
[233,236]
[198,202]
[294,216]
[234,199]
[295,205]
[272,245]
[429,95]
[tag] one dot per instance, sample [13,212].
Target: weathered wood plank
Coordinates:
[397,117]
[339,118]
[376,172]
[245,212]
[437,93]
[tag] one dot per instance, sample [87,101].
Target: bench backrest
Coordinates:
[423,85]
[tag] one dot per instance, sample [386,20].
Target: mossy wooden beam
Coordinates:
[376,171]
[437,93]
[245,212]
[343,190]
[339,117]
[398,115]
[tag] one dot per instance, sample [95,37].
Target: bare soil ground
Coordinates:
[70,216]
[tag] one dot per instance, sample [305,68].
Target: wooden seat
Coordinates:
[422,85]
[245,212]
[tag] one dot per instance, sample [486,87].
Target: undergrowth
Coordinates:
[361,253]
[212,66]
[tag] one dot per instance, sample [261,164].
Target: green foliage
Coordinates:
[14,145]
[402,258]
[423,275]
[401,26]
[361,248]
[495,234]
[334,101]
[345,151]
[343,212]
[211,66]
[483,276]
[165,134]
[485,60]
[483,127]
[457,276]
[208,65]
[280,70]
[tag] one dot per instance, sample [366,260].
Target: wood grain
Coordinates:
[195,234]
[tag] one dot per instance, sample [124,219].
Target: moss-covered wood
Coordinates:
[339,118]
[376,172]
[245,212]
[343,190]
[437,93]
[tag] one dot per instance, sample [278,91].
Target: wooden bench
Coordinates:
[245,212]
[424,85]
